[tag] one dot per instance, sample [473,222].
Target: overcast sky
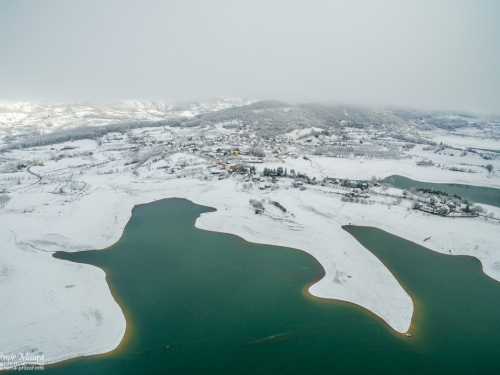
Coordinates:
[436,54]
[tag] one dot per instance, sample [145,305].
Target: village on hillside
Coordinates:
[161,153]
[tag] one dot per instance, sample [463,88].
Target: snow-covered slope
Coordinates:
[19,118]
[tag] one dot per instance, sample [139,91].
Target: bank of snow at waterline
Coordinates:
[58,310]
[64,310]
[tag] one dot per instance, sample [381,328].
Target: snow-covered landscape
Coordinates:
[277,173]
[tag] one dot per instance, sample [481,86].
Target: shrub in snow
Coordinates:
[256,203]
[4,198]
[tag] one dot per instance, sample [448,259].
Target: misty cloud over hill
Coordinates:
[27,124]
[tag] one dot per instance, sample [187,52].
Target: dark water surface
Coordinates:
[478,194]
[487,149]
[199,302]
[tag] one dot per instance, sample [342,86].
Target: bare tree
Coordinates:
[258,152]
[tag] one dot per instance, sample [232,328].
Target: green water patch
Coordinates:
[487,150]
[477,194]
[201,302]
[456,304]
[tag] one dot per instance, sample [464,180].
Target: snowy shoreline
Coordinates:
[68,310]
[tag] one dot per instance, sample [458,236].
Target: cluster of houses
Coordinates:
[434,206]
[236,145]
[227,169]
[356,193]
[240,146]
[225,146]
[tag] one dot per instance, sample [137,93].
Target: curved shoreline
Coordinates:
[316,229]
[323,287]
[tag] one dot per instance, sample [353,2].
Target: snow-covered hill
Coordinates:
[24,118]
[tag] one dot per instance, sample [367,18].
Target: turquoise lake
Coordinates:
[200,302]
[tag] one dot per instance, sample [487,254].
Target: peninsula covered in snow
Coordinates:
[282,174]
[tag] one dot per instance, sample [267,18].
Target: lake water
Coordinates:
[477,194]
[487,150]
[200,302]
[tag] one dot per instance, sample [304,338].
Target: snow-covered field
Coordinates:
[364,169]
[467,141]
[87,190]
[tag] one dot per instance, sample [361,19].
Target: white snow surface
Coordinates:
[296,134]
[364,169]
[463,141]
[65,310]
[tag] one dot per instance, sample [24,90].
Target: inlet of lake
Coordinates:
[478,194]
[200,302]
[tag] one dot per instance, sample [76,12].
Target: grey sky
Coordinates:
[442,54]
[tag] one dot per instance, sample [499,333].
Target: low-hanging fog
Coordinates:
[427,54]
